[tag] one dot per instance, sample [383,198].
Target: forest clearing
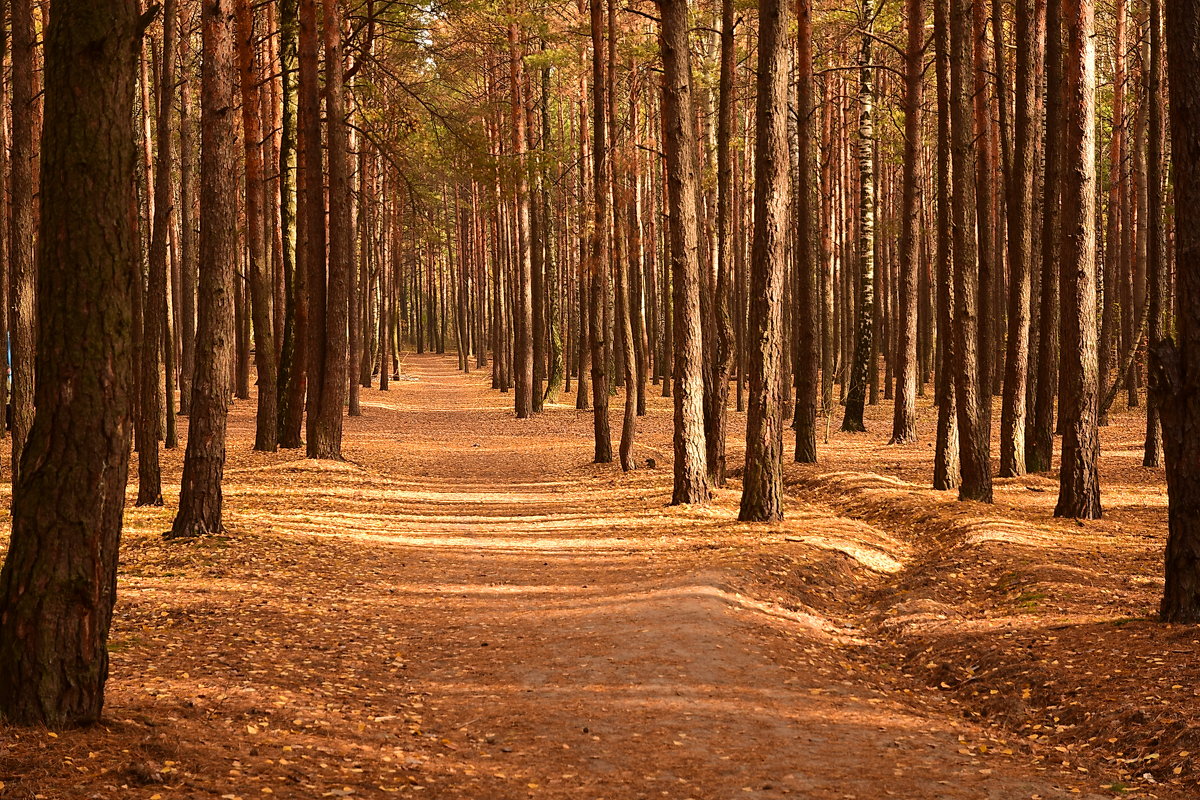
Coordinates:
[466,607]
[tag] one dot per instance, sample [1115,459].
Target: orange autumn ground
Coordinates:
[467,608]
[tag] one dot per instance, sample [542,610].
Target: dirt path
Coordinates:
[468,609]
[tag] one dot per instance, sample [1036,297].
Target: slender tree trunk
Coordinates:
[598,256]
[986,251]
[155,313]
[22,190]
[311,224]
[636,249]
[200,498]
[1112,264]
[1156,266]
[946,474]
[861,368]
[1020,244]
[762,481]
[1079,479]
[625,319]
[970,398]
[722,361]
[1079,486]
[188,223]
[554,379]
[679,139]
[266,430]
[1040,447]
[523,396]
[325,433]
[241,316]
[808,345]
[293,353]
[904,418]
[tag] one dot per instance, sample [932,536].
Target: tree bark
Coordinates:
[22,191]
[155,313]
[808,344]
[862,367]
[1040,446]
[189,227]
[294,351]
[1175,374]
[722,361]
[1079,478]
[679,139]
[266,431]
[1020,243]
[554,378]
[310,220]
[327,376]
[762,478]
[58,584]
[971,399]
[523,308]
[200,498]
[946,473]
[904,417]
[1156,294]
[598,251]
[985,212]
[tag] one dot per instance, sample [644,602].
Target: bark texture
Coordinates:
[861,366]
[762,478]
[808,343]
[679,134]
[1079,476]
[969,385]
[1175,376]
[200,498]
[58,584]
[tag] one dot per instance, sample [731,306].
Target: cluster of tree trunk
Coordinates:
[307,195]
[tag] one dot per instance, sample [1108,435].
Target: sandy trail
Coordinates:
[568,634]
[467,608]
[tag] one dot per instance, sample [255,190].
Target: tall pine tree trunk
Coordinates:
[762,478]
[266,432]
[1175,376]
[946,456]
[189,228]
[598,249]
[1020,243]
[970,395]
[22,188]
[58,584]
[1040,445]
[722,362]
[1156,244]
[293,354]
[523,307]
[554,378]
[904,417]
[200,498]
[325,432]
[1079,478]
[685,343]
[310,219]
[862,367]
[808,345]
[155,313]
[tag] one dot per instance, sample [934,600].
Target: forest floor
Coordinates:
[467,608]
